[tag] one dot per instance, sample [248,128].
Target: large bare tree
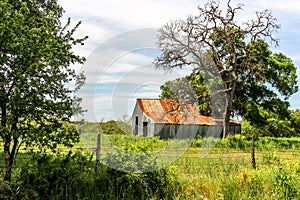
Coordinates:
[216,40]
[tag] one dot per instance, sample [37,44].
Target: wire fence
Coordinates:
[218,158]
[215,162]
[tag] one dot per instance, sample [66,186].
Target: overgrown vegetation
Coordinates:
[72,176]
[37,103]
[224,173]
[109,127]
[274,127]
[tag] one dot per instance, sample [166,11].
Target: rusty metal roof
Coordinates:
[173,111]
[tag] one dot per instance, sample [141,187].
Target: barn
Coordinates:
[170,118]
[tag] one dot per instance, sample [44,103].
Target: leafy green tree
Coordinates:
[115,127]
[37,96]
[273,124]
[267,87]
[216,42]
[295,121]
[193,88]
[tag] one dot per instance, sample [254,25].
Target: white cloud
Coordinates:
[112,62]
[296,57]
[130,13]
[117,105]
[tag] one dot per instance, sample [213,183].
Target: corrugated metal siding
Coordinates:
[165,131]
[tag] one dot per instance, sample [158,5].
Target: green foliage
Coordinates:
[36,84]
[158,183]
[180,88]
[132,143]
[115,127]
[272,126]
[285,186]
[255,99]
[248,184]
[257,90]
[109,127]
[7,191]
[243,143]
[46,176]
[191,87]
[237,142]
[72,176]
[224,173]
[295,121]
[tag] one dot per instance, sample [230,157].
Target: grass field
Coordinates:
[207,168]
[223,171]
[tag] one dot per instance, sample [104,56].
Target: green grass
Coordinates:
[224,173]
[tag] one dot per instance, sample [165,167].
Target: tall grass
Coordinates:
[72,176]
[224,173]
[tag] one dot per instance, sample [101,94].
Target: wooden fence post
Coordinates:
[98,153]
[253,152]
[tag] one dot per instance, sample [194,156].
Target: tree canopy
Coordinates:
[216,42]
[37,96]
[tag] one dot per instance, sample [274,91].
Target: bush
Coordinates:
[158,183]
[109,127]
[72,176]
[273,128]
[284,186]
[50,176]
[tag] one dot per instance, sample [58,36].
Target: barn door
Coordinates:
[136,127]
[145,129]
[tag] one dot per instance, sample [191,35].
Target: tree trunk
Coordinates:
[226,121]
[227,113]
[8,161]
[230,88]
[8,157]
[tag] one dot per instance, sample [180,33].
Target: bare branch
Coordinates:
[213,40]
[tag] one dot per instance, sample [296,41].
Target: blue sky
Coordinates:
[119,66]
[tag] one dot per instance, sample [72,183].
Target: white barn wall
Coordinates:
[137,112]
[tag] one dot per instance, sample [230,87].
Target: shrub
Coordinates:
[284,186]
[72,176]
[158,183]
[56,175]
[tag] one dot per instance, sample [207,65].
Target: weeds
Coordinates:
[225,173]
